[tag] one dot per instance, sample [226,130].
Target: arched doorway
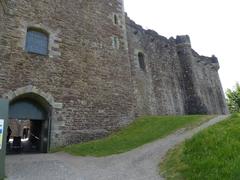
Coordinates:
[29,124]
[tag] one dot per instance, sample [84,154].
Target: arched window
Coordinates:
[141,61]
[37,41]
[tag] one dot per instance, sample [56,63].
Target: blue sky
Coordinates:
[213,25]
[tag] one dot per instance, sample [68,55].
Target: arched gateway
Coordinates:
[31,115]
[29,124]
[29,121]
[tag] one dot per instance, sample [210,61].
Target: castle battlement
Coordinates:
[185,39]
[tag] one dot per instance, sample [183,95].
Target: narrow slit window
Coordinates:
[37,42]
[115,19]
[115,42]
[141,61]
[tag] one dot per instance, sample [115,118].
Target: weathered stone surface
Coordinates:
[93,85]
[177,80]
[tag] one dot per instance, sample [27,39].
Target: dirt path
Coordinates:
[138,164]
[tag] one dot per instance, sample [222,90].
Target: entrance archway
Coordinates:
[29,124]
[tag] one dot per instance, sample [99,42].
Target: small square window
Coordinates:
[37,42]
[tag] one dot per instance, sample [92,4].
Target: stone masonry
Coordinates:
[177,80]
[91,80]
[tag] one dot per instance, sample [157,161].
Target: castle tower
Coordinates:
[193,103]
[69,58]
[75,70]
[202,86]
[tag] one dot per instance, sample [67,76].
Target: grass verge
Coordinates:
[141,131]
[212,154]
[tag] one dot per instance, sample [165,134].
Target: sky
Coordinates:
[213,26]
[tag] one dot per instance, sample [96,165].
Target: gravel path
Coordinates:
[138,164]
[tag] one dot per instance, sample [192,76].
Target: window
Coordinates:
[115,42]
[37,42]
[115,19]
[141,61]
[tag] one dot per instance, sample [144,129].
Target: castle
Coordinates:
[82,69]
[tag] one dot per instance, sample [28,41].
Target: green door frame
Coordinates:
[4,105]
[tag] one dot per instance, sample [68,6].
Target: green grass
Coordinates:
[141,131]
[213,154]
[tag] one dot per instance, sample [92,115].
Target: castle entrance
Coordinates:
[28,130]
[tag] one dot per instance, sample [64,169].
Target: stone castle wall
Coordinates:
[83,71]
[157,89]
[91,77]
[177,80]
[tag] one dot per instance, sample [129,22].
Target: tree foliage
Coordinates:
[233,99]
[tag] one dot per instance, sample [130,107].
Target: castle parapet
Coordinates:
[184,39]
[214,62]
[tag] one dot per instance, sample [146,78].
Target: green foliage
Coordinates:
[233,99]
[141,131]
[212,154]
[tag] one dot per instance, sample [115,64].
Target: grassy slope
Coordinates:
[212,154]
[142,131]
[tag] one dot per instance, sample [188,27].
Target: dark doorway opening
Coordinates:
[28,130]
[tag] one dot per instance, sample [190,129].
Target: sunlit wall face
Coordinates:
[24,136]
[19,128]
